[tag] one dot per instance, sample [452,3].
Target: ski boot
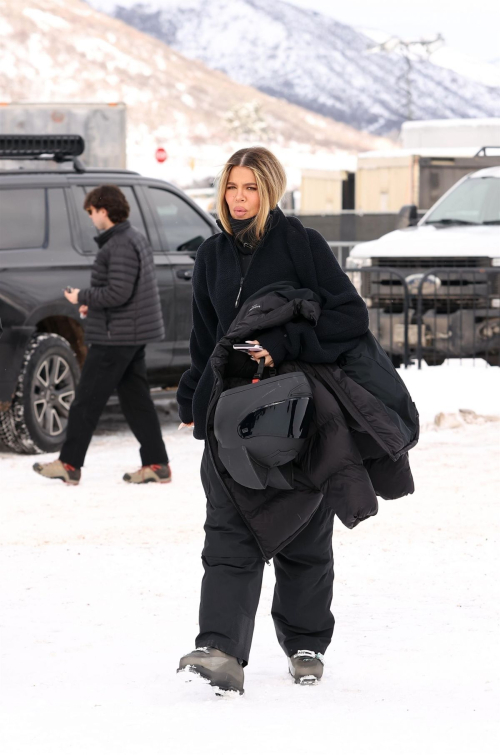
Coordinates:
[220,670]
[306,667]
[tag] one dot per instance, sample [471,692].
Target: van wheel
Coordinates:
[37,418]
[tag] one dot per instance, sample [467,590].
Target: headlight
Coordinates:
[354,263]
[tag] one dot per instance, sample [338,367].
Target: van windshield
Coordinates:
[474,202]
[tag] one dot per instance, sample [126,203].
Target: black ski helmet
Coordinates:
[261,427]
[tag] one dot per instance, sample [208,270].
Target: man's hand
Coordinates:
[83,310]
[257,355]
[185,424]
[72,296]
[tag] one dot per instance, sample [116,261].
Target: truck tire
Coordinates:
[396,360]
[492,359]
[434,360]
[37,418]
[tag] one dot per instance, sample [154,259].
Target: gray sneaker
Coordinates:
[306,667]
[220,670]
[152,473]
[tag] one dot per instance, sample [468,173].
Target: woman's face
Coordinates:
[242,195]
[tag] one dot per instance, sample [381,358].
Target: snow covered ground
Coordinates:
[100,587]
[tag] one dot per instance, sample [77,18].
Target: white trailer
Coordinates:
[452,133]
[102,125]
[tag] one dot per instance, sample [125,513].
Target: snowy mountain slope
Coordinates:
[309,59]
[54,50]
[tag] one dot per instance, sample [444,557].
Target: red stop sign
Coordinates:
[161,155]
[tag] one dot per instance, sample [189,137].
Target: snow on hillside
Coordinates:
[64,50]
[312,60]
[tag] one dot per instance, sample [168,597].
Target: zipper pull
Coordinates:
[239,293]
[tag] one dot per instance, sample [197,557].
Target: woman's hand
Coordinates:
[258,355]
[185,424]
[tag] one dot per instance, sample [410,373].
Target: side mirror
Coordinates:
[407,216]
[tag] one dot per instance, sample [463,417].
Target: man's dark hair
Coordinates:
[112,199]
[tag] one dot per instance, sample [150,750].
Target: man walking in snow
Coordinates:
[123,312]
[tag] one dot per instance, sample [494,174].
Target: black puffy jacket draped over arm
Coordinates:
[363,425]
[291,253]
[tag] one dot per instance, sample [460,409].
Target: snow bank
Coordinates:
[100,595]
[469,384]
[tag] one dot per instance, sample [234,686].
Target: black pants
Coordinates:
[109,368]
[232,582]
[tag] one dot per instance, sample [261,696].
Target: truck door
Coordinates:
[182,229]
[37,261]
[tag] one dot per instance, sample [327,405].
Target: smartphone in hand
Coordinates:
[247,347]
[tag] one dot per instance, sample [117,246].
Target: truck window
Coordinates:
[23,219]
[476,200]
[181,227]
[88,229]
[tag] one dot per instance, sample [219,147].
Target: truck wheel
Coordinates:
[434,361]
[492,359]
[37,418]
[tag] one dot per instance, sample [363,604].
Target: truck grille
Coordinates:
[468,288]
[416,265]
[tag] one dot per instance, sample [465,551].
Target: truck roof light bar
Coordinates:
[58,147]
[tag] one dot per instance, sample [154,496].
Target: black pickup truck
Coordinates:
[47,243]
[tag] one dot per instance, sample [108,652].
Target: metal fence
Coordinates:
[444,312]
[458,314]
[341,250]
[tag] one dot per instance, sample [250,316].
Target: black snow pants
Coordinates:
[232,582]
[109,368]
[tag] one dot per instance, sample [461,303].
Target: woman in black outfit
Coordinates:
[259,246]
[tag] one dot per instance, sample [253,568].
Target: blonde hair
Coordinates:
[270,178]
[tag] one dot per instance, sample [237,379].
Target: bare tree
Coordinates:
[246,121]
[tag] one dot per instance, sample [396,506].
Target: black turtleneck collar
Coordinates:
[245,244]
[239,226]
[102,238]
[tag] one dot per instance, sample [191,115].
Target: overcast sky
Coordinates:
[471,27]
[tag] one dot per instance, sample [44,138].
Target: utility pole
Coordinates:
[409,50]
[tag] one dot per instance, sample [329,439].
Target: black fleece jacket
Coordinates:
[289,252]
